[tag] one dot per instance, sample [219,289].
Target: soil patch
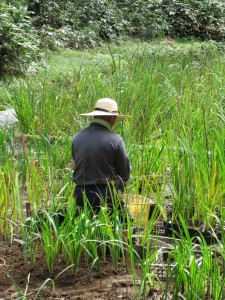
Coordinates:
[110,284]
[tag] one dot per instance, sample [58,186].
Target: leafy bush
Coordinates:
[175,18]
[142,18]
[103,17]
[145,18]
[18,42]
[201,19]
[84,24]
[66,37]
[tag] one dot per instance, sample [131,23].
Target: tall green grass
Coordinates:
[174,93]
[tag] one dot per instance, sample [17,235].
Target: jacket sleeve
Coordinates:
[123,168]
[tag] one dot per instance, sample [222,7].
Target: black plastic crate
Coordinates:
[159,229]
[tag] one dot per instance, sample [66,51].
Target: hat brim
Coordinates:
[97,113]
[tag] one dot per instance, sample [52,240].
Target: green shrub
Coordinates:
[18,42]
[102,17]
[67,37]
[84,24]
[175,18]
[146,19]
[202,19]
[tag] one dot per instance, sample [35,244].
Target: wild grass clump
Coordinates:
[191,270]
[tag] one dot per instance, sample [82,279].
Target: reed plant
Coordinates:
[30,239]
[110,236]
[4,204]
[71,239]
[191,270]
[50,237]
[81,240]
[148,273]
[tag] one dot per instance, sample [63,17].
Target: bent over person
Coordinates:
[101,162]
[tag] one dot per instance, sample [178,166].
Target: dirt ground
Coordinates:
[84,285]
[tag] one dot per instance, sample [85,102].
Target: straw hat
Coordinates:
[105,107]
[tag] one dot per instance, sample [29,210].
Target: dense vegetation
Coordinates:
[30,25]
[175,133]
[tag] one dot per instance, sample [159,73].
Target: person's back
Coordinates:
[100,157]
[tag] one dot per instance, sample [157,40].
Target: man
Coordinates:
[102,166]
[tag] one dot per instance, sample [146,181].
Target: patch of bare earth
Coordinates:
[110,284]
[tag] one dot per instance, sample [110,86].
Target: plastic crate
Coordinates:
[159,270]
[159,229]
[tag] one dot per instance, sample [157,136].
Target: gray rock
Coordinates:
[8,117]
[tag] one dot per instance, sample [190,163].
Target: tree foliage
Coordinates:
[143,18]
[18,42]
[85,23]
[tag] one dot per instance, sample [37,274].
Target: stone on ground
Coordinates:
[8,117]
